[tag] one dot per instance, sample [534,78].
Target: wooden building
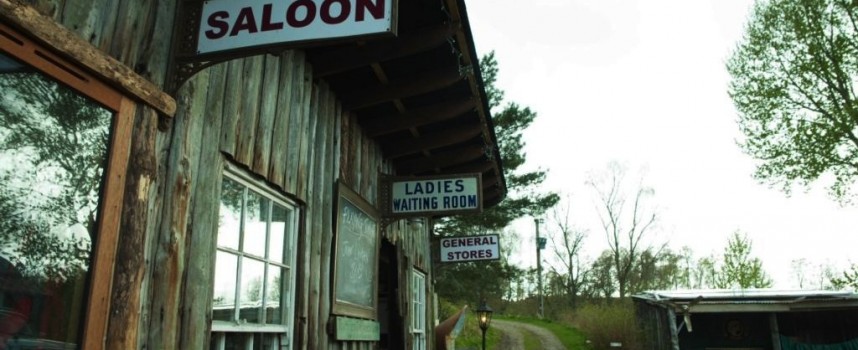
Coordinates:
[150,199]
[748,319]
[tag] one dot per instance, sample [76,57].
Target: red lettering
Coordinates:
[345,9]
[292,13]
[266,19]
[245,21]
[376,10]
[216,21]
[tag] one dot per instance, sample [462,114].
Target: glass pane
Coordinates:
[266,341]
[251,290]
[255,224]
[274,294]
[231,197]
[53,152]
[279,218]
[226,272]
[238,341]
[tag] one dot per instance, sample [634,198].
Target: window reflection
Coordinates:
[53,151]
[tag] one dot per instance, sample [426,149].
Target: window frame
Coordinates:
[103,255]
[418,309]
[220,328]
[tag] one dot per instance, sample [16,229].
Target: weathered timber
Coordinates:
[197,293]
[246,129]
[66,43]
[388,124]
[423,83]
[129,271]
[232,106]
[267,113]
[280,141]
[440,160]
[430,141]
[379,51]
[313,213]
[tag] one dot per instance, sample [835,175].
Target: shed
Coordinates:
[748,319]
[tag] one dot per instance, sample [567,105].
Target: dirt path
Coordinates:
[513,337]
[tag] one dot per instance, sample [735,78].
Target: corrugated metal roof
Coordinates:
[749,300]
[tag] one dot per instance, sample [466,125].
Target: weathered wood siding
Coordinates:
[265,113]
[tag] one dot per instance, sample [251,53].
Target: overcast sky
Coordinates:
[643,83]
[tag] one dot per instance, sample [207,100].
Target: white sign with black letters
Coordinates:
[232,24]
[436,195]
[470,248]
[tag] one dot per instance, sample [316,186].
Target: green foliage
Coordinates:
[470,281]
[606,323]
[792,83]
[739,269]
[849,279]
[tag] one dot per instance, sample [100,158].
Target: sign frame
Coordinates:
[386,195]
[442,250]
[350,204]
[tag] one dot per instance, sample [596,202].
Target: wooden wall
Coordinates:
[267,114]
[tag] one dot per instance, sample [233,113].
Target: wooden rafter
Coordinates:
[425,83]
[440,160]
[431,141]
[388,124]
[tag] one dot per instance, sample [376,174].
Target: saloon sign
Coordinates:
[471,248]
[232,24]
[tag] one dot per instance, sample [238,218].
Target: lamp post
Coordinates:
[484,315]
[540,244]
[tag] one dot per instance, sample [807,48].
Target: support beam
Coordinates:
[440,160]
[385,125]
[351,57]
[424,83]
[429,141]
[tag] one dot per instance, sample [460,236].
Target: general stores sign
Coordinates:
[227,25]
[470,248]
[436,195]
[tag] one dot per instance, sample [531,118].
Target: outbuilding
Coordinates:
[162,188]
[748,319]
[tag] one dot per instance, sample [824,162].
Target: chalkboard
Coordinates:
[355,256]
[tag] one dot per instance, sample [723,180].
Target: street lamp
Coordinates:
[484,315]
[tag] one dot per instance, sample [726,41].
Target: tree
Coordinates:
[465,280]
[849,279]
[624,230]
[738,268]
[567,243]
[54,142]
[792,83]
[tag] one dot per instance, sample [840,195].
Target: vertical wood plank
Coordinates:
[323,198]
[314,213]
[267,113]
[280,133]
[232,106]
[246,128]
[303,152]
[171,246]
[297,118]
[129,270]
[202,232]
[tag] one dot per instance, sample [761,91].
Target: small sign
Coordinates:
[232,24]
[355,329]
[470,248]
[427,196]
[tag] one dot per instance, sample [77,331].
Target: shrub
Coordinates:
[606,323]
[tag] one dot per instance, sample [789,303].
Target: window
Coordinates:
[63,153]
[253,290]
[418,313]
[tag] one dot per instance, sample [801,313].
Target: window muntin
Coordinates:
[254,268]
[54,150]
[418,312]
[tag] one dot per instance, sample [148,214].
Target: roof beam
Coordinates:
[388,124]
[430,141]
[426,82]
[440,160]
[351,57]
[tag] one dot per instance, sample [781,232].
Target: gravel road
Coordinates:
[513,338]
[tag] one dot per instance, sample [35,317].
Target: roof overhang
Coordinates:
[749,300]
[420,95]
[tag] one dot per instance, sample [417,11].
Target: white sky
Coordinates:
[643,82]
